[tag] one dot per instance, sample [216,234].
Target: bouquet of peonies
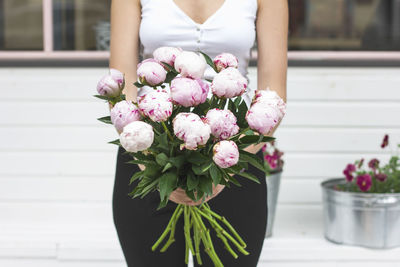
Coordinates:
[374,178]
[187,141]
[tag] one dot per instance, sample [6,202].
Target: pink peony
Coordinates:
[262,118]
[111,85]
[226,153]
[222,122]
[190,64]
[151,72]
[189,128]
[364,182]
[188,92]
[270,97]
[228,83]
[157,105]
[167,54]
[123,113]
[225,60]
[136,136]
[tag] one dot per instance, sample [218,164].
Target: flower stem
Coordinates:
[225,221]
[167,229]
[212,221]
[171,238]
[187,230]
[167,131]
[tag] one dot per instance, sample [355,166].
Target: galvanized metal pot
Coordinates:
[273,182]
[361,219]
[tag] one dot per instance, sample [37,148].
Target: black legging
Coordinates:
[139,224]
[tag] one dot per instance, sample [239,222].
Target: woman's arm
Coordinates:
[272,34]
[124,43]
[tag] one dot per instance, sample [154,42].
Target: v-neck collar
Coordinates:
[194,22]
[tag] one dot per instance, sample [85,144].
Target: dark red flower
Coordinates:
[385,141]
[380,177]
[373,164]
[350,168]
[364,182]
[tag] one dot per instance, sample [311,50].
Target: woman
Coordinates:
[212,26]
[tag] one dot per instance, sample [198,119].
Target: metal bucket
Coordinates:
[361,219]
[273,182]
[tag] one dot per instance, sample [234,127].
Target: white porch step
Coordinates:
[78,240]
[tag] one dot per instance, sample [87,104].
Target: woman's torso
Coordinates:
[230,29]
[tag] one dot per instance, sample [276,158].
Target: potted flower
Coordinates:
[274,164]
[363,209]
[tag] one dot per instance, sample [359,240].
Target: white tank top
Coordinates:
[230,29]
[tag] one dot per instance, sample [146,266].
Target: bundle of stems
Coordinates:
[197,232]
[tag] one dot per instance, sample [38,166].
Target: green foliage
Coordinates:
[209,61]
[106,119]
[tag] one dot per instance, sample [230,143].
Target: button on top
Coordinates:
[198,29]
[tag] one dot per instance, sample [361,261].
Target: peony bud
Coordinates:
[123,113]
[188,92]
[271,98]
[189,128]
[225,60]
[167,54]
[262,118]
[228,83]
[226,153]
[222,122]
[190,64]
[111,85]
[136,136]
[157,105]
[151,72]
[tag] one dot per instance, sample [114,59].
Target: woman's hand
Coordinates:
[179,196]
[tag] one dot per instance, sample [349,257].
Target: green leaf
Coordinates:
[252,159]
[190,194]
[115,142]
[167,184]
[162,159]
[231,106]
[138,161]
[138,84]
[244,174]
[170,68]
[136,176]
[237,101]
[102,97]
[167,167]
[197,158]
[202,108]
[170,76]
[106,119]
[241,115]
[209,61]
[152,169]
[178,161]
[215,174]
[201,169]
[253,139]
[192,181]
[205,184]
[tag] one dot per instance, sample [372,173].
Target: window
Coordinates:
[346,25]
[319,30]
[21,25]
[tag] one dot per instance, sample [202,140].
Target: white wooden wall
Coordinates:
[57,172]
